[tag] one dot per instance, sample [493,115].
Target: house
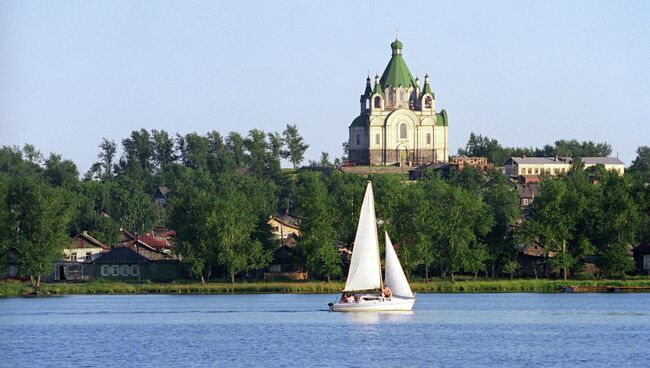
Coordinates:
[526,166]
[148,245]
[285,226]
[532,260]
[642,258]
[124,263]
[527,193]
[456,163]
[160,197]
[84,248]
[286,262]
[76,264]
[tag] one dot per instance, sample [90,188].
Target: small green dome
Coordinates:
[396,45]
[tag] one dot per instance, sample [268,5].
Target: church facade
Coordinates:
[398,123]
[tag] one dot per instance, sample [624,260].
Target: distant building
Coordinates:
[527,193]
[148,245]
[160,197]
[444,169]
[528,166]
[285,226]
[398,123]
[124,263]
[78,257]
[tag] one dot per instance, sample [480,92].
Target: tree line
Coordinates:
[225,188]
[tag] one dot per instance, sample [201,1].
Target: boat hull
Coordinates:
[396,304]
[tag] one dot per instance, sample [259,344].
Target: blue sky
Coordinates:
[527,73]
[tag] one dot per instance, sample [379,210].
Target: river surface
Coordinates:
[446,330]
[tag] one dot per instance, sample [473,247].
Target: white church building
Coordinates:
[398,123]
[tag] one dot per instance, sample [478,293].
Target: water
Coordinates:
[450,330]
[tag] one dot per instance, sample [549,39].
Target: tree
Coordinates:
[59,172]
[641,164]
[318,240]
[138,149]
[107,155]
[163,149]
[554,216]
[39,219]
[191,207]
[295,146]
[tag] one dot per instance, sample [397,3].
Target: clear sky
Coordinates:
[524,72]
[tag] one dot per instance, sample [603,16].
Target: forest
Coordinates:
[225,188]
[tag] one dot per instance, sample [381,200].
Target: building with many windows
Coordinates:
[398,123]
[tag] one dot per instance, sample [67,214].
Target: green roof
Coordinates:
[427,89]
[396,73]
[378,90]
[441,118]
[361,121]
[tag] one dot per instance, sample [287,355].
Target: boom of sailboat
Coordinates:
[365,269]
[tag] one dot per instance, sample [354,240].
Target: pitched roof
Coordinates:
[538,160]
[397,73]
[602,160]
[530,190]
[441,118]
[121,255]
[89,239]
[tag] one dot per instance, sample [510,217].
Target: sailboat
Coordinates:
[365,269]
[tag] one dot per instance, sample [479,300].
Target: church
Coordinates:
[398,123]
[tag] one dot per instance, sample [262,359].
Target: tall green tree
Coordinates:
[318,240]
[38,218]
[295,147]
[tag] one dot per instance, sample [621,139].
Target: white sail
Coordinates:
[395,278]
[365,269]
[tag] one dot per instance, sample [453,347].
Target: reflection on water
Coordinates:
[483,330]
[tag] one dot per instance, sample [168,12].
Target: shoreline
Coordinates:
[17,288]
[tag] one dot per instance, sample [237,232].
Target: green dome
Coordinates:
[396,44]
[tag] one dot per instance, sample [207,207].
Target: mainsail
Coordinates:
[365,269]
[395,278]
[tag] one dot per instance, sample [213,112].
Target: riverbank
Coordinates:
[15,288]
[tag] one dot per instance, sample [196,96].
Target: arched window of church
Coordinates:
[391,97]
[377,102]
[427,102]
[358,140]
[402,96]
[367,103]
[428,138]
[402,131]
[377,138]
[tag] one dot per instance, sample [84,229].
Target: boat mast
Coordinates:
[374,210]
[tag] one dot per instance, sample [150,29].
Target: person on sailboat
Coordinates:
[387,293]
[345,297]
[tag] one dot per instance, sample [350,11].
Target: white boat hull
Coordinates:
[396,304]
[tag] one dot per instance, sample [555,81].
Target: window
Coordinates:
[367,103]
[402,97]
[135,270]
[116,270]
[358,140]
[105,270]
[530,170]
[377,102]
[522,171]
[402,131]
[427,102]
[73,256]
[525,201]
[377,139]
[429,138]
[537,170]
[88,256]
[125,270]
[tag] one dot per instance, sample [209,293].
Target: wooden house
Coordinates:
[160,197]
[124,263]
[286,262]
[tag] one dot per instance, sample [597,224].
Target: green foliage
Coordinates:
[295,144]
[37,217]
[318,243]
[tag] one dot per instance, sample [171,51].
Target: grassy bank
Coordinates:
[14,288]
